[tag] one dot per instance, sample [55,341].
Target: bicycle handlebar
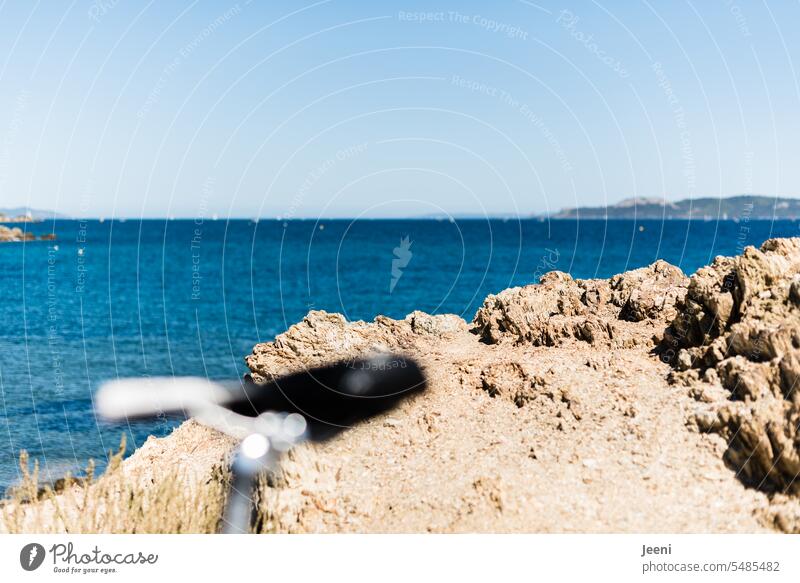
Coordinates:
[333,397]
[330,398]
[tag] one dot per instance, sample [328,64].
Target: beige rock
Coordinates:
[14,235]
[628,310]
[17,235]
[742,313]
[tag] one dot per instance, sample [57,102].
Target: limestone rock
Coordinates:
[627,310]
[741,319]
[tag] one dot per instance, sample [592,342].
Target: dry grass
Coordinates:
[115,502]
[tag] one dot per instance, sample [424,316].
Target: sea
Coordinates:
[137,298]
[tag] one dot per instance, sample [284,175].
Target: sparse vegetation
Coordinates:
[115,502]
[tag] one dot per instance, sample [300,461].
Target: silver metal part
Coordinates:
[259,452]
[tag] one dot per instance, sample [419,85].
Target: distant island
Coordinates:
[23,215]
[4,218]
[742,207]
[27,215]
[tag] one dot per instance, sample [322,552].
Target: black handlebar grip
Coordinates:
[332,398]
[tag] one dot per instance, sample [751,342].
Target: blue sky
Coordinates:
[337,108]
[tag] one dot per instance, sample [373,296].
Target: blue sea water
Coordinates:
[117,299]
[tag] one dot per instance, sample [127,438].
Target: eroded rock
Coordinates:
[739,325]
[630,309]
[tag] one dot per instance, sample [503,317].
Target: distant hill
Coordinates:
[35,214]
[734,207]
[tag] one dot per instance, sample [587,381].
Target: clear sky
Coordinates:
[337,108]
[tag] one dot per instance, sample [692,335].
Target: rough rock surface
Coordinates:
[738,331]
[581,429]
[509,437]
[556,410]
[625,311]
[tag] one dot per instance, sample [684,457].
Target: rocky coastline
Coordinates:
[17,219]
[648,402]
[17,235]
